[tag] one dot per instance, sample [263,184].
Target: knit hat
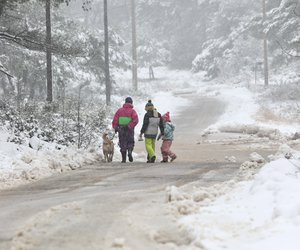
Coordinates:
[128,100]
[166,117]
[149,105]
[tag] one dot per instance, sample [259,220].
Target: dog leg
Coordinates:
[111,156]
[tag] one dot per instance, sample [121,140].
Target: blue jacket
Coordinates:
[168,131]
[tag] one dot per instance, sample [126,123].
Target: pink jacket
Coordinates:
[126,111]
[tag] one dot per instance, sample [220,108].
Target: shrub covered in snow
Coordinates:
[49,123]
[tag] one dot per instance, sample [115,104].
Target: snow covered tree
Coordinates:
[153,52]
[283,26]
[233,24]
[77,52]
[225,28]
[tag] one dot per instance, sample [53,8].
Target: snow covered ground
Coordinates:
[262,211]
[20,164]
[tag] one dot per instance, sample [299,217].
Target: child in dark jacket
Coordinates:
[152,121]
[167,138]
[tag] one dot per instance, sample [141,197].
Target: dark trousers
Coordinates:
[126,138]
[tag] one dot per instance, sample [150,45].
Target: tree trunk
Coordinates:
[2,6]
[151,73]
[265,37]
[48,51]
[78,119]
[19,94]
[134,53]
[25,78]
[64,99]
[11,83]
[106,52]
[4,86]
[32,86]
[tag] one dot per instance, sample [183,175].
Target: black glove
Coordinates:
[140,137]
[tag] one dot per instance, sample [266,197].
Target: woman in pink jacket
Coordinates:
[124,122]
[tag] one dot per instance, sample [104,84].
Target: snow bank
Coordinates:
[258,213]
[243,113]
[20,164]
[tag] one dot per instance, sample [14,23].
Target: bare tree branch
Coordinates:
[4,71]
[35,45]
[29,44]
[295,9]
[286,51]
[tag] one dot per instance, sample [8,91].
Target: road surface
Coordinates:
[114,206]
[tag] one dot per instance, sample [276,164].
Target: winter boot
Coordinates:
[148,159]
[153,158]
[164,158]
[130,158]
[123,157]
[173,157]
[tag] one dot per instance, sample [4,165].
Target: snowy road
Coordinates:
[93,207]
[111,205]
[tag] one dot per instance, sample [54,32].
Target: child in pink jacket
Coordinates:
[124,122]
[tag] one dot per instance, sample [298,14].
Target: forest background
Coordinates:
[222,40]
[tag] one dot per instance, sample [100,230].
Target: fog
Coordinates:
[218,38]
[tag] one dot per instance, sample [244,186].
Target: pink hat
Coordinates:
[166,117]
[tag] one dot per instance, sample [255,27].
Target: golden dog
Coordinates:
[108,148]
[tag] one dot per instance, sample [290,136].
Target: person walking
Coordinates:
[152,121]
[167,139]
[124,122]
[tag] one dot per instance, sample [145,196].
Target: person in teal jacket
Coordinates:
[167,139]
